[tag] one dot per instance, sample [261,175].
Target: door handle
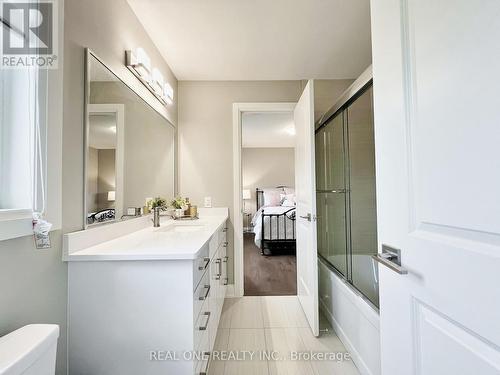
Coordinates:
[391,258]
[307,217]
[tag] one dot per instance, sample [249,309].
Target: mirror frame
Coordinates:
[89,54]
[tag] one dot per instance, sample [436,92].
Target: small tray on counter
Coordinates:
[186,217]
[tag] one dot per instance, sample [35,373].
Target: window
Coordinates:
[22,148]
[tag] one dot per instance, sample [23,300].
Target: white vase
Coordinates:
[179,212]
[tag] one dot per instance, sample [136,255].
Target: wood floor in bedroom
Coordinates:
[274,275]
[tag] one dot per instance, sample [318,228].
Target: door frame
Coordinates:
[238,110]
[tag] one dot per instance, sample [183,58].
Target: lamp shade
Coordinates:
[246,194]
[111,196]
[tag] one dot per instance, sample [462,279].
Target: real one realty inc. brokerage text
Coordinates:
[248,355]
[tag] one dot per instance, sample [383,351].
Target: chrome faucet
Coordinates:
[156,217]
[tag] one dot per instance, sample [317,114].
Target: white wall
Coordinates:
[266,167]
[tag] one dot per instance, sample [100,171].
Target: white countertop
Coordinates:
[174,240]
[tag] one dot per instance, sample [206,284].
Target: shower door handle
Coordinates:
[391,258]
[335,191]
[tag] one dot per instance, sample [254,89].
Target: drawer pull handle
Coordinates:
[225,259]
[226,280]
[207,287]
[219,269]
[205,372]
[204,267]
[224,230]
[207,314]
[225,244]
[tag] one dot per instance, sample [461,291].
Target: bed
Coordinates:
[101,216]
[274,221]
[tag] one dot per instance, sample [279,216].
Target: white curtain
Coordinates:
[22,138]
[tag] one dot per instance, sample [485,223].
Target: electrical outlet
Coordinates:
[208,202]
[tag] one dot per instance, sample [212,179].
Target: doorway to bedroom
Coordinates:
[268,193]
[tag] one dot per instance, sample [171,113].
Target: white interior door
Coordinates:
[305,189]
[437,131]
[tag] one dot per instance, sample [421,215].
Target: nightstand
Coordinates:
[247,222]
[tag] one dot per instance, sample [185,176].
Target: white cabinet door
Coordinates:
[437,132]
[305,188]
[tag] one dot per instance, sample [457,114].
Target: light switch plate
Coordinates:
[208,202]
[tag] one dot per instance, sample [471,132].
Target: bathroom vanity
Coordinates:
[146,300]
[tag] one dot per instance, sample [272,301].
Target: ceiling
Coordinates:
[267,129]
[259,39]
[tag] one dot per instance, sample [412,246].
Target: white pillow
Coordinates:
[272,197]
[287,200]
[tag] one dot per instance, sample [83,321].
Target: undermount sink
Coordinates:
[182,228]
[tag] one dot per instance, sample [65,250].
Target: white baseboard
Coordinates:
[230,291]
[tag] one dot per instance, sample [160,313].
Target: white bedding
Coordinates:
[257,224]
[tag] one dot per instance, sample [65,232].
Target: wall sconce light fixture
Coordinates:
[139,63]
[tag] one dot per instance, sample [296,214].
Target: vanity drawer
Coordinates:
[200,265]
[201,295]
[202,362]
[201,327]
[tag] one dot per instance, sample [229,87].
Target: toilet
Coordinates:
[30,350]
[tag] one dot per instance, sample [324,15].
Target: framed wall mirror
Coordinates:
[129,147]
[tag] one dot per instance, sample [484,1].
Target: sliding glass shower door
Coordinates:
[331,191]
[346,209]
[362,195]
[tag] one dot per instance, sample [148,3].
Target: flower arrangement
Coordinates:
[179,203]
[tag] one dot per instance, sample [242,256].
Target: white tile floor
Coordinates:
[274,324]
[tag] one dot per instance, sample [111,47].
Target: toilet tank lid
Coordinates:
[19,349]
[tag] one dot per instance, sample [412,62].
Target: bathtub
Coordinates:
[353,317]
[365,277]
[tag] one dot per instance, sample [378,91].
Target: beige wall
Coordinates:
[266,167]
[326,93]
[206,133]
[108,28]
